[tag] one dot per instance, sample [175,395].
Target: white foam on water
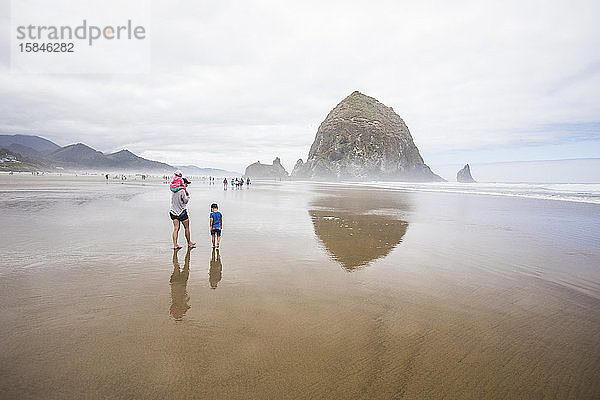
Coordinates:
[574,192]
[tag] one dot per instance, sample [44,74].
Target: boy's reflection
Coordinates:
[178,281]
[216,268]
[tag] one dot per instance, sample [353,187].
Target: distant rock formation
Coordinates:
[362,139]
[298,166]
[464,175]
[266,171]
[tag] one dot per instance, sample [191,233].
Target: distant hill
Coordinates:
[128,160]
[11,161]
[79,154]
[25,151]
[36,153]
[193,170]
[36,143]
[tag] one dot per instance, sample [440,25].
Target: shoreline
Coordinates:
[588,193]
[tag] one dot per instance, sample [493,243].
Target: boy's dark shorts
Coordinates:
[182,217]
[215,232]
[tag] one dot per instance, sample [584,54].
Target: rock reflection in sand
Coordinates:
[179,278]
[357,227]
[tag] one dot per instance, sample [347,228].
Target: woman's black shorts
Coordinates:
[182,217]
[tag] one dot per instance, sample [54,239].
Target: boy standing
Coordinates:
[215,224]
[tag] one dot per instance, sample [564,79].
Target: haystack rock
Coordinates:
[266,171]
[362,139]
[464,175]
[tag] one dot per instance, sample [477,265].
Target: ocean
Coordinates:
[575,192]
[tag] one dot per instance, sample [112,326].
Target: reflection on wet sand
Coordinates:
[215,270]
[357,228]
[486,297]
[178,281]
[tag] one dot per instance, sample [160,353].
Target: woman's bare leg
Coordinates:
[186,226]
[175,233]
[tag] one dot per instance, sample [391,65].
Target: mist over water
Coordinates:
[574,192]
[578,171]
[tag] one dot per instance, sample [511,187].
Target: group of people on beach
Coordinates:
[236,182]
[178,213]
[123,177]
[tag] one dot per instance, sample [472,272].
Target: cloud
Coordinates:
[233,82]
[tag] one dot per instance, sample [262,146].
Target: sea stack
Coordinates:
[266,171]
[362,139]
[464,175]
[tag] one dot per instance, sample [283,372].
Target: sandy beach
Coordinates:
[318,291]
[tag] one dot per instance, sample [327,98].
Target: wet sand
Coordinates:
[318,291]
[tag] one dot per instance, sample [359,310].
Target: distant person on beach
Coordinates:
[247,181]
[178,214]
[225,183]
[215,224]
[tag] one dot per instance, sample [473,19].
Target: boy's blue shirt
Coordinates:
[216,217]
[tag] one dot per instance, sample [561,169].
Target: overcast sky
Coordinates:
[233,82]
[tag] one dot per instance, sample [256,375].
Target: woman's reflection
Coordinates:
[179,297]
[215,270]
